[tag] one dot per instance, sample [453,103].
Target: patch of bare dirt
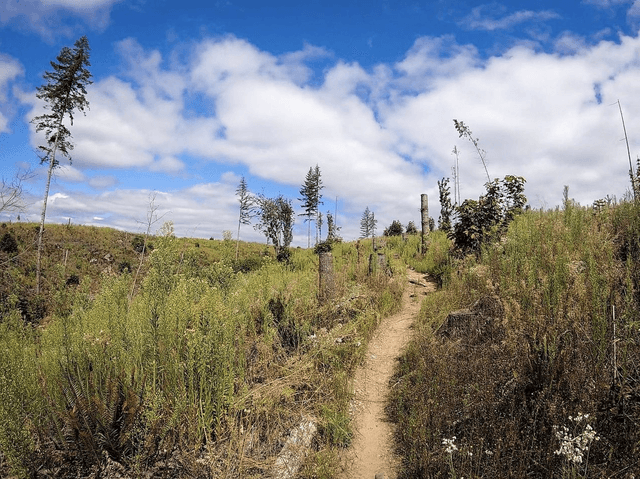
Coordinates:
[371,454]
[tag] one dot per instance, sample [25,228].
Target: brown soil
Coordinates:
[372,450]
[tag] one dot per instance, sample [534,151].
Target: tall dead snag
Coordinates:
[424,212]
[63,93]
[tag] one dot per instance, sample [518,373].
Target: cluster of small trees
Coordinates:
[475,222]
[368,225]
[276,216]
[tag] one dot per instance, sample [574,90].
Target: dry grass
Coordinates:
[504,384]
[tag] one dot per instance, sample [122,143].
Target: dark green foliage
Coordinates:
[246,265]
[124,267]
[332,229]
[411,228]
[323,247]
[73,280]
[467,234]
[480,222]
[138,244]
[276,222]
[284,255]
[63,93]
[514,196]
[394,229]
[247,204]
[311,198]
[100,415]
[8,243]
[446,208]
[32,308]
[368,224]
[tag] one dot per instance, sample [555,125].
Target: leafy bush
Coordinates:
[485,220]
[8,243]
[394,229]
[138,244]
[323,247]
[247,265]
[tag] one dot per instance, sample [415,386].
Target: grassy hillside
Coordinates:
[200,365]
[538,375]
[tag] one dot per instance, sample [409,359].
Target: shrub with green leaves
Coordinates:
[394,229]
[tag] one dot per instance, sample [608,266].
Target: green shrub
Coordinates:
[8,243]
[138,244]
[394,229]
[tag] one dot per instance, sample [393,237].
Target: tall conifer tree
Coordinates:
[246,204]
[63,93]
[311,199]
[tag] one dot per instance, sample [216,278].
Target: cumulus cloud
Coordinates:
[542,116]
[381,136]
[45,16]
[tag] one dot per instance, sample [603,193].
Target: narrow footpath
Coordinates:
[371,454]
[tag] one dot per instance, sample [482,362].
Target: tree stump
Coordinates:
[326,278]
[424,213]
[378,262]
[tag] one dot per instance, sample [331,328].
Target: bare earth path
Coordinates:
[372,450]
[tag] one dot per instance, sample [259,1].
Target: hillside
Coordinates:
[522,364]
[198,366]
[525,364]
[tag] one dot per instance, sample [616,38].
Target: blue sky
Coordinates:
[190,96]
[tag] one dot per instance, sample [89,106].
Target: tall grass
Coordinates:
[203,367]
[505,389]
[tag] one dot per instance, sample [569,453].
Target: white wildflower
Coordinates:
[573,448]
[450,445]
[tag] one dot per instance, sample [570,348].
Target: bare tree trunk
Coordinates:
[326,277]
[52,161]
[424,210]
[238,239]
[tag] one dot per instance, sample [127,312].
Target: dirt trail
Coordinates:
[372,450]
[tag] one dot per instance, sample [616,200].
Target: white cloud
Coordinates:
[605,3]
[536,115]
[10,68]
[569,43]
[634,11]
[381,137]
[66,172]
[493,17]
[102,182]
[44,16]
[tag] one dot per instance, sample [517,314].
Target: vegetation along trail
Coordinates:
[371,454]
